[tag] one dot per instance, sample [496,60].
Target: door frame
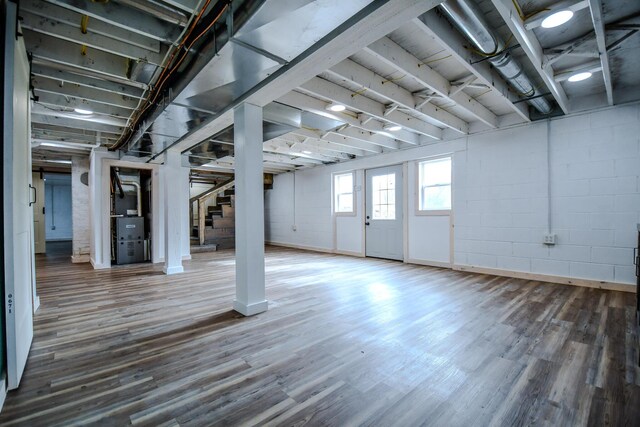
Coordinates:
[405,218]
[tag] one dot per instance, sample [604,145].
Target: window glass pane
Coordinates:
[343,192]
[435,184]
[436,198]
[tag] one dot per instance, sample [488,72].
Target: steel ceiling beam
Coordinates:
[73,34]
[369,24]
[68,53]
[370,81]
[47,10]
[82,92]
[532,48]
[87,81]
[325,89]
[595,6]
[124,17]
[394,55]
[437,28]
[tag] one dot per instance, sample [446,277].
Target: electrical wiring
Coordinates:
[164,75]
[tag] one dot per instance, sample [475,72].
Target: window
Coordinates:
[434,185]
[343,193]
[384,196]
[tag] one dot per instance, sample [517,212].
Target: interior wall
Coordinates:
[508,191]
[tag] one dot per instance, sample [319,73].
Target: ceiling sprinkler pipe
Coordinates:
[470,21]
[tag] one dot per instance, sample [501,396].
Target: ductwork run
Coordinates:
[466,16]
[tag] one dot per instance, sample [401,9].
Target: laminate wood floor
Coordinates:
[346,341]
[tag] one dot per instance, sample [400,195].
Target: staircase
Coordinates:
[218,221]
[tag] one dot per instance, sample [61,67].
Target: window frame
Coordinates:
[418,189]
[353,211]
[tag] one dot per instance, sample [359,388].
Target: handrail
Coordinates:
[215,189]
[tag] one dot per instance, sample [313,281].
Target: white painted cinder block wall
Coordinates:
[80,209]
[505,183]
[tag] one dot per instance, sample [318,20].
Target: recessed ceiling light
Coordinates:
[580,76]
[81,111]
[306,152]
[335,107]
[392,127]
[557,19]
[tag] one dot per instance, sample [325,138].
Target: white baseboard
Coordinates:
[3,391]
[303,247]
[250,309]
[428,263]
[625,287]
[97,266]
[349,253]
[36,304]
[186,257]
[173,270]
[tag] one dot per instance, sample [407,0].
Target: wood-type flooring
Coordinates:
[346,341]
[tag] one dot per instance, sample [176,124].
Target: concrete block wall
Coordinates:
[80,210]
[505,183]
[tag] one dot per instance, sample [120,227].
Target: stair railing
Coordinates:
[202,198]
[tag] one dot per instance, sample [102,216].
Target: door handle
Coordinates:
[366,223]
[35,194]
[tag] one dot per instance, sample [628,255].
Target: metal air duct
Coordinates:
[466,16]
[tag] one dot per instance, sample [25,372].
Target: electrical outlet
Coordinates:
[294,228]
[549,239]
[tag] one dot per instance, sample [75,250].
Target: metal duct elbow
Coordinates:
[470,21]
[138,194]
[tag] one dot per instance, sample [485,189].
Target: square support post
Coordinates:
[249,189]
[172,214]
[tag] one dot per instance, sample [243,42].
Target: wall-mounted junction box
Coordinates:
[549,239]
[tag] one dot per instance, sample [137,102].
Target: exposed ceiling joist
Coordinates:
[321,146]
[97,41]
[395,56]
[595,6]
[437,28]
[279,146]
[590,67]
[572,5]
[314,105]
[158,10]
[73,123]
[531,46]
[82,92]
[325,89]
[373,138]
[123,17]
[376,83]
[68,53]
[186,5]
[298,161]
[70,131]
[344,142]
[88,81]
[84,104]
[69,17]
[87,119]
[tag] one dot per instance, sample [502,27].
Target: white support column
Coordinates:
[172,214]
[249,187]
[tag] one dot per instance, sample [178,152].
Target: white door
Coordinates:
[383,215]
[18,220]
[38,213]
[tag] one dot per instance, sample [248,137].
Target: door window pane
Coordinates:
[383,201]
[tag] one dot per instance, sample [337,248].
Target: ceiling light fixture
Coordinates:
[306,152]
[578,77]
[335,107]
[392,127]
[557,19]
[81,111]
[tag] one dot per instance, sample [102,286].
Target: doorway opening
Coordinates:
[384,213]
[130,215]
